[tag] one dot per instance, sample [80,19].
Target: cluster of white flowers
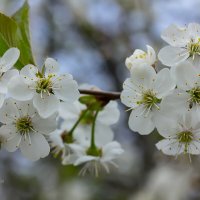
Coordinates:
[168,100]
[76,141]
[42,110]
[34,101]
[29,103]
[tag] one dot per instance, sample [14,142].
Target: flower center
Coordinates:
[194,96]
[24,125]
[44,85]
[185,137]
[67,138]
[194,48]
[149,99]
[141,56]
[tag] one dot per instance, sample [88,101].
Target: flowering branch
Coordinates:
[102,94]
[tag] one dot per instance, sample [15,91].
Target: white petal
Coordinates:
[135,58]
[171,56]
[6,78]
[55,138]
[163,83]
[39,147]
[131,94]
[176,36]
[47,105]
[69,159]
[11,145]
[12,138]
[170,147]
[130,98]
[19,90]
[28,74]
[77,149]
[82,134]
[194,148]
[8,130]
[2,98]
[195,62]
[103,134]
[143,76]
[140,123]
[167,126]
[110,114]
[26,108]
[175,103]
[9,58]
[66,89]
[111,151]
[186,76]
[194,31]
[84,159]
[71,110]
[51,66]
[151,55]
[137,53]
[9,112]
[44,126]
[195,118]
[3,87]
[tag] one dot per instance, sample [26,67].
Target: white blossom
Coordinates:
[143,93]
[61,147]
[181,134]
[108,116]
[187,94]
[140,57]
[25,129]
[102,159]
[7,61]
[46,89]
[184,44]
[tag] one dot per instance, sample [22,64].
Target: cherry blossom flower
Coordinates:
[143,93]
[46,89]
[108,116]
[101,159]
[140,57]
[184,44]
[187,94]
[181,134]
[60,141]
[25,129]
[7,61]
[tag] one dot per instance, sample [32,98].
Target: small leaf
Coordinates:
[21,17]
[14,32]
[8,29]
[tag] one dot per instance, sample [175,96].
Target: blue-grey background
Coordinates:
[91,39]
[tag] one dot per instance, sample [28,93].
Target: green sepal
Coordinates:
[91,102]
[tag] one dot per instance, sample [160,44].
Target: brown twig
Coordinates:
[102,94]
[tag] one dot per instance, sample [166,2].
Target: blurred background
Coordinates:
[91,39]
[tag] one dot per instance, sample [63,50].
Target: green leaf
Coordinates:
[14,32]
[21,17]
[8,29]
